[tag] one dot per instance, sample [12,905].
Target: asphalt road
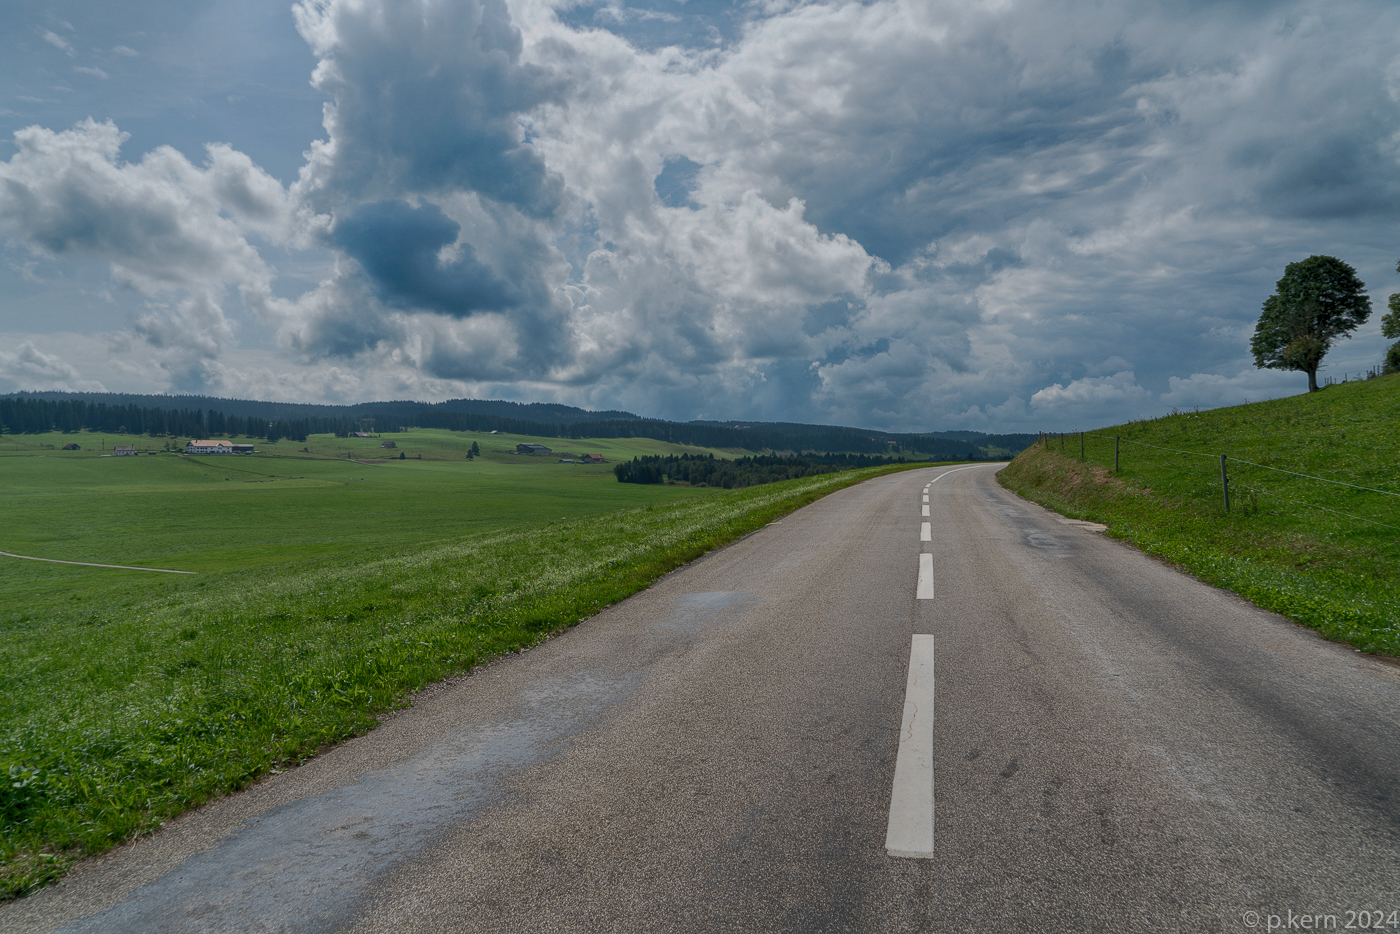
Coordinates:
[1115,747]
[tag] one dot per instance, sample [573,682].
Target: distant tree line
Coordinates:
[708,470]
[21,415]
[33,415]
[772,436]
[53,411]
[380,412]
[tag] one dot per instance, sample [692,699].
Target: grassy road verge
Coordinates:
[1322,553]
[118,717]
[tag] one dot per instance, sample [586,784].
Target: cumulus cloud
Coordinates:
[895,213]
[159,222]
[1032,176]
[339,318]
[1209,390]
[440,206]
[166,227]
[28,367]
[195,326]
[426,96]
[1091,391]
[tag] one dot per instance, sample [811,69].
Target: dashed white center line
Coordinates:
[925,532]
[926,497]
[910,831]
[925,591]
[925,510]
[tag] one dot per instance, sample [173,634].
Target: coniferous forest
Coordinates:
[19,415]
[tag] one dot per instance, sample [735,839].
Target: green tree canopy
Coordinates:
[1318,301]
[1390,329]
[1390,324]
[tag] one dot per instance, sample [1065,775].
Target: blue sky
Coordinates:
[908,215]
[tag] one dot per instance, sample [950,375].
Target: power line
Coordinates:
[1240,460]
[1338,512]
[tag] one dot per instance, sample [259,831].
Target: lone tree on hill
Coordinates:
[1316,302]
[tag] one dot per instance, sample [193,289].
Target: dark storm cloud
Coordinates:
[397,245]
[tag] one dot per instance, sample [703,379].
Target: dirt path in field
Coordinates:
[89,564]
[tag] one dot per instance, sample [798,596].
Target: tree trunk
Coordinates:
[1312,380]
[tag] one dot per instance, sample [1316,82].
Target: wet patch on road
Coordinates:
[697,612]
[305,866]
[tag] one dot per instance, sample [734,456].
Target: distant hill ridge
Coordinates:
[178,415]
[547,412]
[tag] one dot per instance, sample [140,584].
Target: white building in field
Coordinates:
[209,447]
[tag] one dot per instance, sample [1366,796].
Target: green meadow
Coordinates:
[325,496]
[333,577]
[292,502]
[1313,529]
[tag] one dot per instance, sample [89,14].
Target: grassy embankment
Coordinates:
[327,590]
[1334,568]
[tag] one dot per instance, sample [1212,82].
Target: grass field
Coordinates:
[1324,554]
[281,507]
[327,589]
[215,512]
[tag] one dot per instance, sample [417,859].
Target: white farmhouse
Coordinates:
[209,447]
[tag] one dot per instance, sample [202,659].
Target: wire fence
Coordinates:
[1374,372]
[1227,482]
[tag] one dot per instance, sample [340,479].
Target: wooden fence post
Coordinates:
[1224,483]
